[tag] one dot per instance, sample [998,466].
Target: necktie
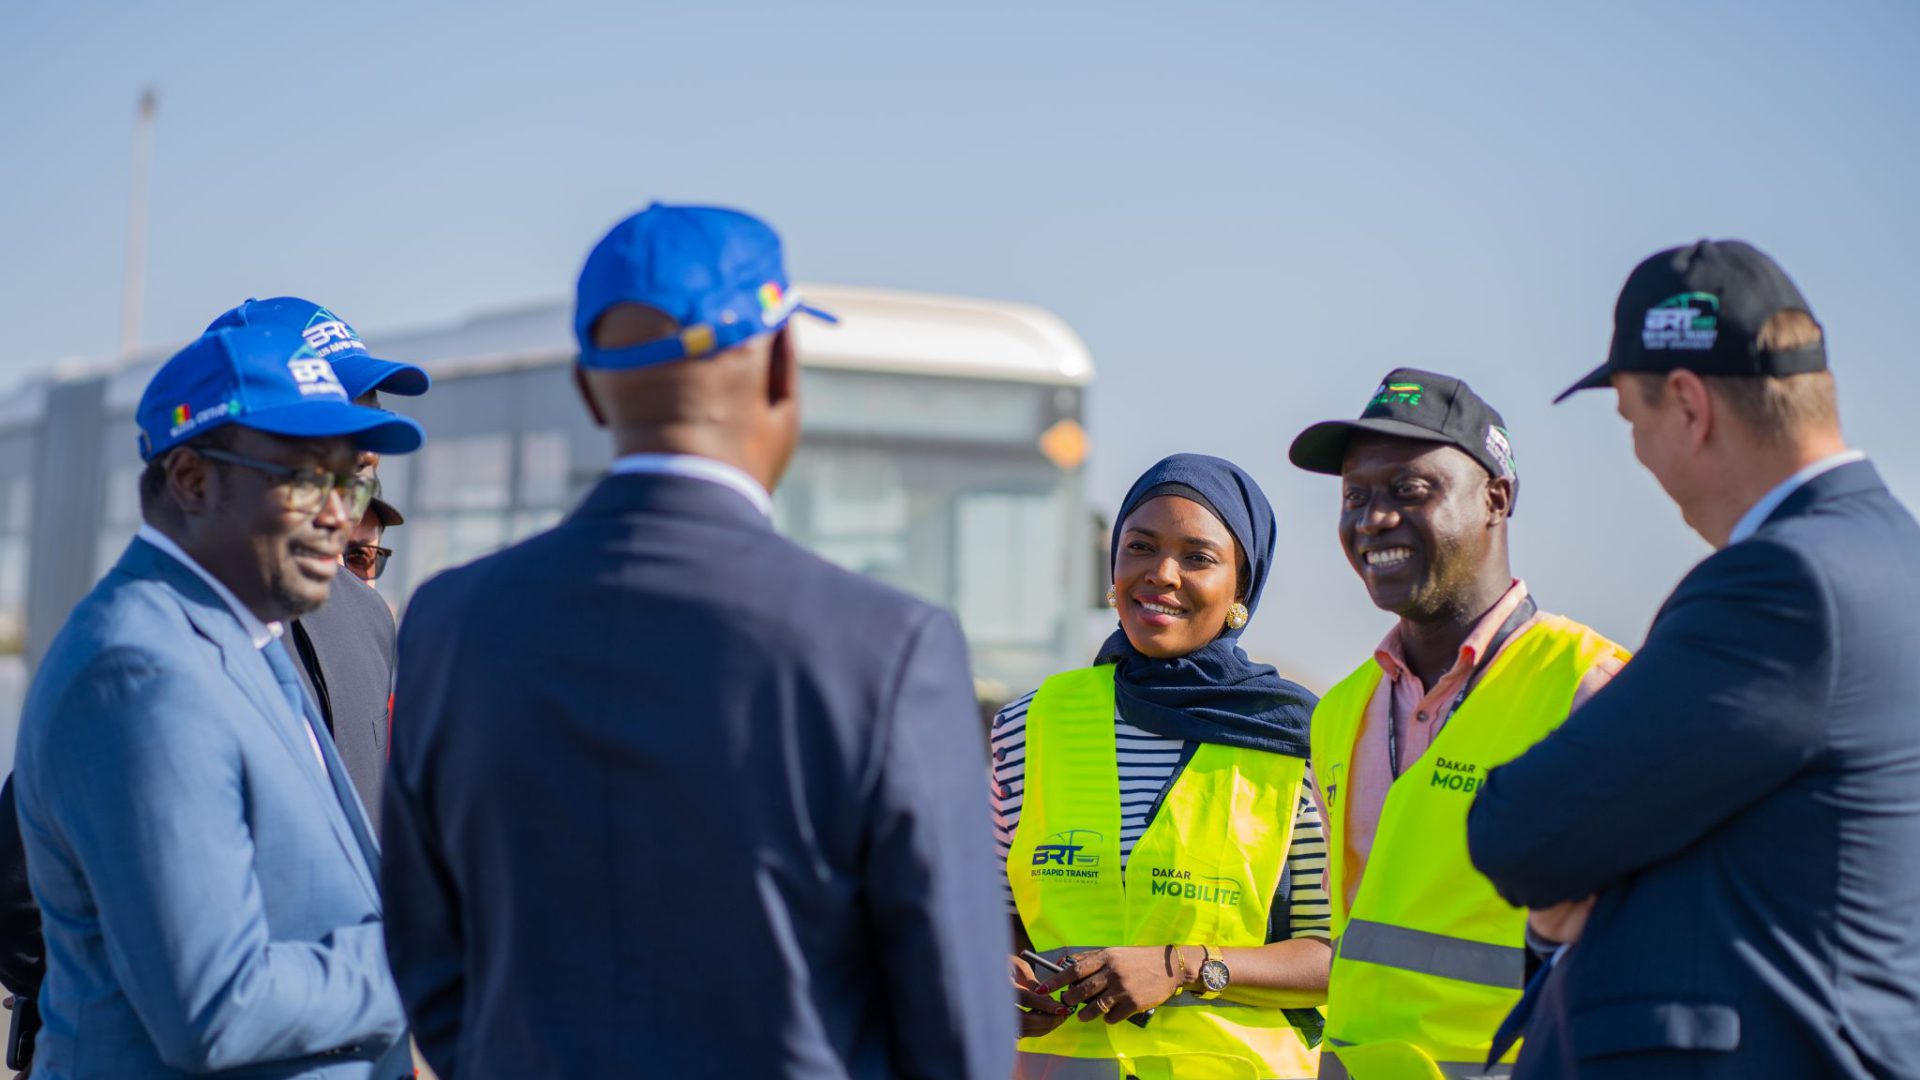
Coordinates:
[1515,1024]
[288,678]
[306,715]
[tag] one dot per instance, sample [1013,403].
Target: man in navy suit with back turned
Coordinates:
[669,795]
[1731,828]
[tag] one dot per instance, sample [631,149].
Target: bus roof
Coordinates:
[879,330]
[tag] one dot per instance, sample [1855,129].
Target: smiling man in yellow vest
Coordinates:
[1428,958]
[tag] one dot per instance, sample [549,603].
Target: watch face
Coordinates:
[1214,974]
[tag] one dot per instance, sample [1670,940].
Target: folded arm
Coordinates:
[1725,703]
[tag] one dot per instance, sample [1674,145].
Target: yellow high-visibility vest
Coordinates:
[1203,873]
[1431,959]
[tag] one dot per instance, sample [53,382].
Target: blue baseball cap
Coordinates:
[332,340]
[265,378]
[718,273]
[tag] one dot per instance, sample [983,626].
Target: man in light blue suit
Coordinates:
[205,871]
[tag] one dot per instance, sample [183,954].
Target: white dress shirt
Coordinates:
[1758,513]
[262,634]
[698,468]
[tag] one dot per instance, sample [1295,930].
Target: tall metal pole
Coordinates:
[137,227]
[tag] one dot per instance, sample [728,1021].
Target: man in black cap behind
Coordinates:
[1745,797]
[1429,958]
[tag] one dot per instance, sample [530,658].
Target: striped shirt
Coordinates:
[1146,763]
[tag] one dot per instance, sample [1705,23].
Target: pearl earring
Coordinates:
[1113,598]
[1237,616]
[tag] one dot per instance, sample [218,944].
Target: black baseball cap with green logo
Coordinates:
[1414,404]
[1701,308]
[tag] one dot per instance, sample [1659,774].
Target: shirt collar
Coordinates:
[1392,656]
[258,632]
[1758,513]
[698,468]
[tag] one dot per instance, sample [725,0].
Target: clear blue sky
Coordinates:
[1249,210]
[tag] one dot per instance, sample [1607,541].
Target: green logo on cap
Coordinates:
[1687,321]
[1399,393]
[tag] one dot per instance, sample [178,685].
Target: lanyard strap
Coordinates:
[1527,610]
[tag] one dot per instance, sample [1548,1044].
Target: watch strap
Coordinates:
[1209,955]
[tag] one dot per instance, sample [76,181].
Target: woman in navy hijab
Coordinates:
[1161,844]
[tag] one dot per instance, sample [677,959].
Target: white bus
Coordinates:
[942,453]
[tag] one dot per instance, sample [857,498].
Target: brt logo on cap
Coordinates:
[1687,321]
[326,335]
[316,376]
[1399,393]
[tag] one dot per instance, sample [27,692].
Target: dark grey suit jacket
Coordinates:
[1745,799]
[345,651]
[672,796]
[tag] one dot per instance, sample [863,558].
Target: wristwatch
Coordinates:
[1214,975]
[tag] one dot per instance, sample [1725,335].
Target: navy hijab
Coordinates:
[1213,694]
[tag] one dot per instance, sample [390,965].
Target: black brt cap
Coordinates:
[1414,404]
[1701,308]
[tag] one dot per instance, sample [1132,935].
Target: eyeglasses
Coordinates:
[367,561]
[305,490]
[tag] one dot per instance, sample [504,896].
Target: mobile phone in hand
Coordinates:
[1040,963]
[26,1024]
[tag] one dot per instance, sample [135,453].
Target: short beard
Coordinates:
[1443,597]
[294,605]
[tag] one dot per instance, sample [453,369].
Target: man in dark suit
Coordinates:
[345,649]
[1743,802]
[670,795]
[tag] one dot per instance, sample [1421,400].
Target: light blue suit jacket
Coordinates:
[207,895]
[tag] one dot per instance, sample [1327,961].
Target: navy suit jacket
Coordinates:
[208,895]
[345,650]
[671,796]
[1745,799]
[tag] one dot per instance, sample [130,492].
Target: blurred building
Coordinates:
[942,453]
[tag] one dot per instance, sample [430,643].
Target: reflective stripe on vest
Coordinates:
[1430,958]
[1435,954]
[1389,1061]
[1204,872]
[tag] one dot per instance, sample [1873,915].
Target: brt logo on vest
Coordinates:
[1177,884]
[1462,776]
[1066,855]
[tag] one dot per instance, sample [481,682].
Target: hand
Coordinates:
[1563,922]
[1115,983]
[1039,1013]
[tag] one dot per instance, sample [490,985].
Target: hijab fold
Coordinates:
[1213,694]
